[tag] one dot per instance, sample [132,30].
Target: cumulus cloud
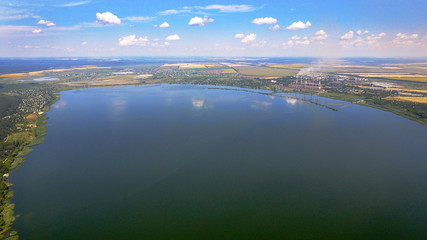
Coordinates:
[37,31]
[320,35]
[173,37]
[239,35]
[132,40]
[249,38]
[84,43]
[198,21]
[275,27]
[46,22]
[348,35]
[108,18]
[297,41]
[230,8]
[266,20]
[360,32]
[164,25]
[405,39]
[373,37]
[303,42]
[299,25]
[361,41]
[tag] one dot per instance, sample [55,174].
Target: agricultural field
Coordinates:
[42,72]
[265,71]
[183,66]
[394,76]
[292,66]
[409,99]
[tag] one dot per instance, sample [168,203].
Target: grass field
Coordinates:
[265,71]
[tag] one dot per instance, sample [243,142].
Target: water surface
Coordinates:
[189,162]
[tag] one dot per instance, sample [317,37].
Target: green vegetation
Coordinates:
[265,71]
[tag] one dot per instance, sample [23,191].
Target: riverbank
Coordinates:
[21,143]
[18,146]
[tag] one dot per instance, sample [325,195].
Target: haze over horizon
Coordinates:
[331,28]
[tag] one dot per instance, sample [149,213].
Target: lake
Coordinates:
[193,162]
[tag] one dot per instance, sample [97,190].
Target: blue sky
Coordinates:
[318,28]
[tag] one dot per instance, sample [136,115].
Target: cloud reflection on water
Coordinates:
[60,104]
[198,102]
[291,101]
[260,105]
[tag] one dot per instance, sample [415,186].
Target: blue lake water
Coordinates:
[190,162]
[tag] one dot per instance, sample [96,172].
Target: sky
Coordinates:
[285,28]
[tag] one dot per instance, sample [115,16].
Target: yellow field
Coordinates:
[393,89]
[287,65]
[390,75]
[415,79]
[395,76]
[94,67]
[265,71]
[192,65]
[229,70]
[40,73]
[107,82]
[410,90]
[17,75]
[409,99]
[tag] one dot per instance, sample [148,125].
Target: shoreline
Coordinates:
[22,150]
[8,216]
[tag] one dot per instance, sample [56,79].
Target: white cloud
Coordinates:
[164,25]
[360,32]
[46,22]
[304,42]
[108,18]
[320,35]
[239,35]
[266,20]
[84,43]
[173,37]
[208,20]
[139,18]
[167,43]
[299,25]
[405,39]
[198,21]
[74,4]
[249,38]
[37,31]
[132,40]
[174,11]
[14,17]
[371,40]
[288,43]
[374,37]
[10,30]
[297,41]
[230,8]
[275,27]
[348,35]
